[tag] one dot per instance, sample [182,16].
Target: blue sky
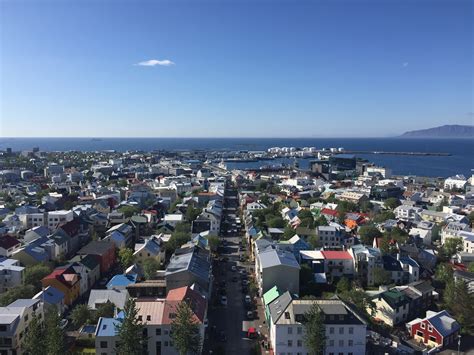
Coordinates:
[234,68]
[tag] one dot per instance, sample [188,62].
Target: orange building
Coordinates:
[66,280]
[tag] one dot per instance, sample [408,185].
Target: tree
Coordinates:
[307,283]
[54,335]
[366,206]
[382,276]
[176,240]
[129,211]
[276,222]
[105,310]
[213,241]
[192,213]
[35,337]
[470,268]
[383,216]
[288,232]
[80,315]
[131,340]
[451,246]
[360,300]
[471,218]
[24,291]
[315,331]
[392,203]
[34,274]
[150,267]
[368,233]
[343,285]
[460,304]
[185,330]
[444,273]
[126,257]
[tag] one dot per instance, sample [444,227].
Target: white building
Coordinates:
[11,274]
[455,182]
[345,330]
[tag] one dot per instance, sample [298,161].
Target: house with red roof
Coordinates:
[330,215]
[66,280]
[337,263]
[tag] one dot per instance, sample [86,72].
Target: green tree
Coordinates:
[451,246]
[444,273]
[343,285]
[131,340]
[185,330]
[34,274]
[80,315]
[34,339]
[192,213]
[382,276]
[150,267]
[176,240]
[213,242]
[54,334]
[276,222]
[105,310]
[392,203]
[383,216]
[307,284]
[368,233]
[129,211]
[126,257]
[471,218]
[24,291]
[315,331]
[360,300]
[288,232]
[470,267]
[460,304]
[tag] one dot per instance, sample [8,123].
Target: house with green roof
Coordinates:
[392,307]
[268,297]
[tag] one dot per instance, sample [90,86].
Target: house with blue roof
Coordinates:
[120,282]
[106,335]
[52,298]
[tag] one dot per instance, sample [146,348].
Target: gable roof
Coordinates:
[7,242]
[336,254]
[443,322]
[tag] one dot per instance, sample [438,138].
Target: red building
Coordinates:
[437,329]
[105,252]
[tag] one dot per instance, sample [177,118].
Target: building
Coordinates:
[436,330]
[279,268]
[392,307]
[337,263]
[103,250]
[366,261]
[67,281]
[345,330]
[11,274]
[8,245]
[153,248]
[14,321]
[455,182]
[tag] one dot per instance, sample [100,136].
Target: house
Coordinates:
[333,236]
[436,330]
[122,281]
[455,182]
[467,277]
[296,244]
[345,330]
[187,266]
[330,214]
[52,299]
[403,269]
[366,261]
[8,245]
[66,280]
[11,274]
[92,268]
[121,235]
[354,220]
[421,296]
[14,321]
[279,268]
[33,253]
[104,250]
[407,213]
[453,230]
[153,248]
[337,263]
[353,196]
[115,296]
[35,233]
[106,335]
[392,307]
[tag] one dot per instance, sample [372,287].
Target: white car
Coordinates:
[233,268]
[224,300]
[248,299]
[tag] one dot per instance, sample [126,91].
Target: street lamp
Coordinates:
[459,343]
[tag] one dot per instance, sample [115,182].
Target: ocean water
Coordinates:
[461,160]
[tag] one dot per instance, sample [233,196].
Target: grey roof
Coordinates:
[190,261]
[279,305]
[23,303]
[272,257]
[117,297]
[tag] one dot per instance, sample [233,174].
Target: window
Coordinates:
[158,331]
[430,328]
[341,330]
[420,334]
[299,330]
[341,343]
[290,343]
[331,342]
[351,330]
[350,343]
[433,339]
[103,345]
[299,343]
[331,330]
[290,330]
[166,343]
[148,317]
[422,325]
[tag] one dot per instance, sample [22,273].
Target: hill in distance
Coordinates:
[446,131]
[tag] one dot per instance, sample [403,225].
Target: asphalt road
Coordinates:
[230,318]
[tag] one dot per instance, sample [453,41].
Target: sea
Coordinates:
[461,160]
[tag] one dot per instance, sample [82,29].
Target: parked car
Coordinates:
[222,336]
[248,300]
[249,315]
[233,268]
[224,300]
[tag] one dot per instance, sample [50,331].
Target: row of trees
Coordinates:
[47,337]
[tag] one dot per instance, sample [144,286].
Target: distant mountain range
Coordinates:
[446,131]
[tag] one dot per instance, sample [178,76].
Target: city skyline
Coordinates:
[234,69]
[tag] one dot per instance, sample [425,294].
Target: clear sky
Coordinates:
[234,68]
